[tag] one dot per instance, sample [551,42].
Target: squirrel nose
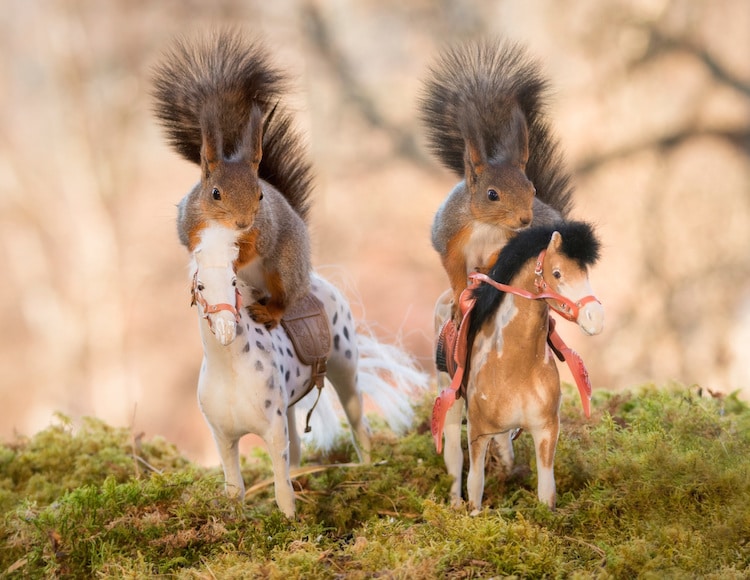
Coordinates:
[242,225]
[525,220]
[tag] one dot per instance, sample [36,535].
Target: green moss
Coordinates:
[61,458]
[655,484]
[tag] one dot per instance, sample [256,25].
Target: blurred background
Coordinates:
[651,102]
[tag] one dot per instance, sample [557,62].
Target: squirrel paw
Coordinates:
[261,314]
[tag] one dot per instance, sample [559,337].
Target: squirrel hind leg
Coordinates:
[270,310]
[266,314]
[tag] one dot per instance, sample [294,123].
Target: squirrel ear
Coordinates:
[474,161]
[519,138]
[252,142]
[211,147]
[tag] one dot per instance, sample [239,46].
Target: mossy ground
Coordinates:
[655,484]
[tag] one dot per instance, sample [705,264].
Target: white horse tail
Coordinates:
[391,384]
[326,420]
[390,378]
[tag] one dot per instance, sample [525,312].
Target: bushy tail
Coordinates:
[231,73]
[388,378]
[475,87]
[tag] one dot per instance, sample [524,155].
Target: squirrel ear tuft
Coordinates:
[518,138]
[474,160]
[475,157]
[212,152]
[252,141]
[522,131]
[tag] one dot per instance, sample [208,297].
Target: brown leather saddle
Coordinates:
[452,348]
[451,357]
[306,324]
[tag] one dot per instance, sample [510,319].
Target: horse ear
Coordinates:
[252,142]
[556,242]
[211,146]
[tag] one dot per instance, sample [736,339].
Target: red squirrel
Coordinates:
[482,106]
[217,97]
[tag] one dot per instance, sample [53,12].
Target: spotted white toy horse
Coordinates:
[511,380]
[251,376]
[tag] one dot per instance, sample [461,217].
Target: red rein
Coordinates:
[214,308]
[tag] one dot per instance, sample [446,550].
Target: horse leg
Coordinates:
[453,454]
[344,380]
[295,452]
[277,441]
[545,442]
[229,452]
[475,481]
[504,446]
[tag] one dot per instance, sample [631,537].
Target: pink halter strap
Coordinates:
[214,308]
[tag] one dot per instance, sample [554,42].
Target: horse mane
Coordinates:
[579,243]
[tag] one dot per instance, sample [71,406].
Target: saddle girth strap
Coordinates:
[318,383]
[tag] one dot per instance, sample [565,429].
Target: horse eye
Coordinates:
[216,194]
[234,282]
[201,287]
[492,195]
[557,274]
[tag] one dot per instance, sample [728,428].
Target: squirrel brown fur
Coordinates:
[483,109]
[218,98]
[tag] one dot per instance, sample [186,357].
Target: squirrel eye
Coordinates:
[234,282]
[492,195]
[261,196]
[200,287]
[556,273]
[216,194]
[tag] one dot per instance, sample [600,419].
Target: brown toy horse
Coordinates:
[512,380]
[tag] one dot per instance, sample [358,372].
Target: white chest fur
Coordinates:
[484,241]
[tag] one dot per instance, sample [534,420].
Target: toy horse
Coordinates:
[511,380]
[251,377]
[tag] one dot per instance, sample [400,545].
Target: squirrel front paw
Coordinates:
[261,314]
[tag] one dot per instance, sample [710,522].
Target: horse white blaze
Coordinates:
[213,261]
[591,316]
[225,328]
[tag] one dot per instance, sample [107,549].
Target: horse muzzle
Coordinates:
[224,326]
[591,318]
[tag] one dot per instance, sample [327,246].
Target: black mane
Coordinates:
[579,242]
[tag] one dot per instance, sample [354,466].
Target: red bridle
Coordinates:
[214,308]
[565,307]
